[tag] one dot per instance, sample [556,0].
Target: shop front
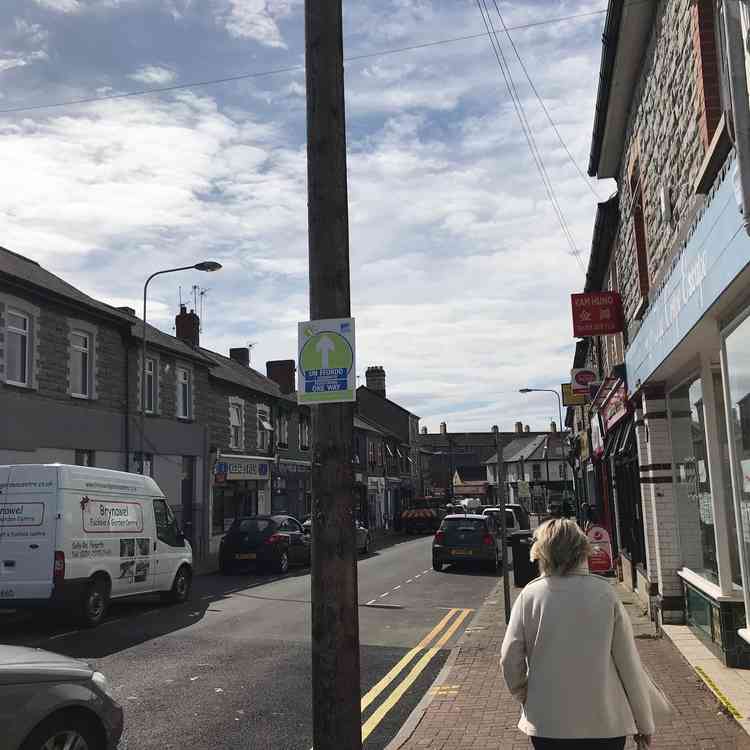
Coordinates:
[689,367]
[291,488]
[241,486]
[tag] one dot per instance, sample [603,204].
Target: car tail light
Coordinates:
[59,567]
[439,537]
[487,539]
[274,539]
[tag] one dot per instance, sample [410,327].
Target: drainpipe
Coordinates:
[740,104]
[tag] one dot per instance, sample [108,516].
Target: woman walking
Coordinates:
[569,656]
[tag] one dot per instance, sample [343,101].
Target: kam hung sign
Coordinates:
[596,314]
[326,372]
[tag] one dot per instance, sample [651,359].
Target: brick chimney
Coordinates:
[188,327]
[519,427]
[240,355]
[443,428]
[375,380]
[282,372]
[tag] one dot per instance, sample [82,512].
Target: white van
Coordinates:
[76,537]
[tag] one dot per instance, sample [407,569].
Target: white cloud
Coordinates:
[61,6]
[257,19]
[154,74]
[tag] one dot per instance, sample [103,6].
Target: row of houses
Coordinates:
[220,438]
[465,464]
[662,446]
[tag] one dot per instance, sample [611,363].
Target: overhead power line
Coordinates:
[506,29]
[294,68]
[526,129]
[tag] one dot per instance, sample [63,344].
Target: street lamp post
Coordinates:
[207,266]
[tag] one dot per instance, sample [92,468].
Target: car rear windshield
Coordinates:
[463,524]
[253,525]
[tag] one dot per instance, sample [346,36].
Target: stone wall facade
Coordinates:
[665,140]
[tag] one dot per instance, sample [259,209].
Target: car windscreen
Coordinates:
[254,526]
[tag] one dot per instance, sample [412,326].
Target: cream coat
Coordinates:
[569,657]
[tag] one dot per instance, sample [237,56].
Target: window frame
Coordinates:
[282,430]
[263,412]
[236,407]
[151,388]
[26,334]
[184,393]
[86,362]
[304,432]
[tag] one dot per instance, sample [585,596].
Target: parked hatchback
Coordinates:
[49,702]
[464,538]
[264,542]
[364,539]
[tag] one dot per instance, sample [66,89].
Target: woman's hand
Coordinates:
[643,740]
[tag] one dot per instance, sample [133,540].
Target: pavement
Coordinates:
[470,708]
[230,669]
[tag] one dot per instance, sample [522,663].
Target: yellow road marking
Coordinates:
[371,724]
[380,686]
[717,692]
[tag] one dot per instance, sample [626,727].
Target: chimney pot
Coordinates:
[282,372]
[424,430]
[188,327]
[519,427]
[240,355]
[128,311]
[443,428]
[526,428]
[553,426]
[375,379]
[495,429]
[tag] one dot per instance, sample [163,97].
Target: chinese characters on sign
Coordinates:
[596,314]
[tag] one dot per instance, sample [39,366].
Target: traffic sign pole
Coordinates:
[335,623]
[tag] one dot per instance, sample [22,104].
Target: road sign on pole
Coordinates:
[326,372]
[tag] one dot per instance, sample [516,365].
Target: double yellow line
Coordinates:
[431,650]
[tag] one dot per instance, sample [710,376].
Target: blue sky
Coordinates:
[460,272]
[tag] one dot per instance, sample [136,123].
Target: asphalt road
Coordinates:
[231,668]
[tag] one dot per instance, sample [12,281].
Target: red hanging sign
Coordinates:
[597,314]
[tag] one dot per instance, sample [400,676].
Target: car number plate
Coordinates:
[245,556]
[462,552]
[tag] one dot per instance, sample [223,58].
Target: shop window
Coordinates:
[692,483]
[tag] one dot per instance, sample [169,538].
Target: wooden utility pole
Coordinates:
[337,721]
[502,502]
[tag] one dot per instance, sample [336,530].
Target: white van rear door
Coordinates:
[28,517]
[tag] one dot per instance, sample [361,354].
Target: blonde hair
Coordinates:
[560,547]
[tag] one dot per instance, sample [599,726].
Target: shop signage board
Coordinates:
[713,257]
[241,469]
[614,407]
[600,560]
[581,380]
[569,398]
[326,362]
[596,314]
[597,439]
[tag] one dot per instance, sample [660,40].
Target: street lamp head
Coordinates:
[525,390]
[207,265]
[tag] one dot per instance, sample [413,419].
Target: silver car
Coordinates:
[53,702]
[364,539]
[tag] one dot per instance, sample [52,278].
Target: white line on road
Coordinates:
[411,580]
[382,595]
[372,601]
[396,588]
[419,575]
[425,571]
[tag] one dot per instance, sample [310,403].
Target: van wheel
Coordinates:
[95,600]
[180,591]
[65,729]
